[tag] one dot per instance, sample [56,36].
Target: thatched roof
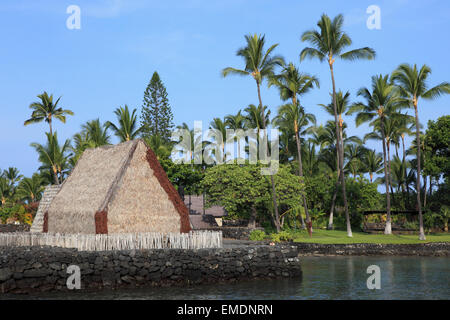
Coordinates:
[117,189]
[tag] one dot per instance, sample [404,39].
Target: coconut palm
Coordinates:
[260,65]
[220,127]
[292,84]
[373,162]
[54,157]
[128,124]
[382,102]
[293,116]
[160,147]
[30,189]
[413,85]
[13,175]
[236,122]
[328,44]
[5,190]
[46,110]
[342,105]
[97,133]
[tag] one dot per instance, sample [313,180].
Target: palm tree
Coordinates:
[381,103]
[12,174]
[354,152]
[127,129]
[53,156]
[220,127]
[260,65]
[292,83]
[97,133]
[373,162]
[47,110]
[236,122]
[342,104]
[413,85]
[293,116]
[328,44]
[160,147]
[30,189]
[92,135]
[5,190]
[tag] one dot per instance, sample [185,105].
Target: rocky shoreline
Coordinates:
[41,269]
[431,249]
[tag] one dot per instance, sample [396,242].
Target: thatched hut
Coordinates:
[117,189]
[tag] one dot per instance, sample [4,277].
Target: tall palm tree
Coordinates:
[236,122]
[30,189]
[328,44]
[128,124]
[381,102]
[373,162]
[413,86]
[46,110]
[342,104]
[293,116]
[53,156]
[260,65]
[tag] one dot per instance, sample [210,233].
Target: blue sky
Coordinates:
[109,61]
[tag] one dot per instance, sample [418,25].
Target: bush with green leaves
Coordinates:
[282,236]
[257,235]
[242,190]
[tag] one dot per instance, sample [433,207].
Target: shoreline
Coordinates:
[429,249]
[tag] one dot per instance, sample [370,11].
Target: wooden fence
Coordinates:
[104,242]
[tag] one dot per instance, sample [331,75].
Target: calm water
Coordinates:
[323,278]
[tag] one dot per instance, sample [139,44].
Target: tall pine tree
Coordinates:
[156,116]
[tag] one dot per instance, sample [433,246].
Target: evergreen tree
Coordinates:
[156,116]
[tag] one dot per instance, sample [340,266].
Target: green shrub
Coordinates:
[257,235]
[282,236]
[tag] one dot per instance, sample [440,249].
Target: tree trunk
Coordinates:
[389,170]
[252,220]
[419,205]
[50,125]
[333,203]
[388,228]
[425,191]
[274,196]
[300,173]
[341,160]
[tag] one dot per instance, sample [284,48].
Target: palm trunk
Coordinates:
[341,160]
[333,204]
[424,191]
[274,196]
[419,205]
[389,170]
[300,173]
[388,228]
[50,125]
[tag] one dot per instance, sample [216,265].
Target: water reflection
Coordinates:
[323,278]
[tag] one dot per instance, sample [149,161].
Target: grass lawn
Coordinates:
[338,236]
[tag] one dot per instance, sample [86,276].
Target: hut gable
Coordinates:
[117,189]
